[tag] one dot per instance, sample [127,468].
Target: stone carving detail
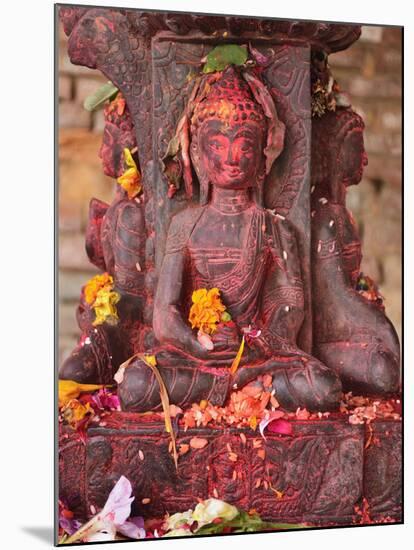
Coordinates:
[383,470]
[351,335]
[318,475]
[257,209]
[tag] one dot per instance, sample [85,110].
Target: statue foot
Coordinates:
[139,390]
[299,381]
[369,369]
[80,366]
[136,391]
[90,362]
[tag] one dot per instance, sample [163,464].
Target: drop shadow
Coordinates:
[45,534]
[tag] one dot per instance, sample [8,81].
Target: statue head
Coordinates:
[118,134]
[228,131]
[338,153]
[231,133]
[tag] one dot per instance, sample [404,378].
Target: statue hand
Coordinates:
[256,349]
[226,338]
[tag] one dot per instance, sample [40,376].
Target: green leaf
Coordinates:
[246,523]
[222,56]
[105,93]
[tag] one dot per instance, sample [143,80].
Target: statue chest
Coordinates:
[219,246]
[238,271]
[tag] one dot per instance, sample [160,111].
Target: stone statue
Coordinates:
[114,243]
[231,242]
[351,334]
[261,217]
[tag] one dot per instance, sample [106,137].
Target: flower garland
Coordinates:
[131,178]
[99,294]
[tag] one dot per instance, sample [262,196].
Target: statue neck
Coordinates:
[230,201]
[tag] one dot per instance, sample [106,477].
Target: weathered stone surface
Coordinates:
[322,471]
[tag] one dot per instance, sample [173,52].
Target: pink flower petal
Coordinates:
[280,427]
[205,340]
[270,418]
[118,505]
[133,529]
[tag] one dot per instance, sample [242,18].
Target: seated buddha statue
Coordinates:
[229,241]
[352,335]
[115,243]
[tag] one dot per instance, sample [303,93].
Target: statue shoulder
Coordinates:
[181,227]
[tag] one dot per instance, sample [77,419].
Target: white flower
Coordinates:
[207,511]
[180,532]
[178,520]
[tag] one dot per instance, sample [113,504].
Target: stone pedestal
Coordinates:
[317,475]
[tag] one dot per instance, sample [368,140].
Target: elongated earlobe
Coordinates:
[204,190]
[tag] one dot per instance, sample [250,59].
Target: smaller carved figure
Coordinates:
[352,335]
[115,241]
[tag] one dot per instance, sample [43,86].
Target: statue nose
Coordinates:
[231,157]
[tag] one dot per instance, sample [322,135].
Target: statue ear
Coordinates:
[176,162]
[204,190]
[276,128]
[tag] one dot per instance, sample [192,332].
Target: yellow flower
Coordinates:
[104,307]
[206,311]
[94,285]
[74,411]
[150,360]
[131,178]
[199,295]
[207,511]
[69,389]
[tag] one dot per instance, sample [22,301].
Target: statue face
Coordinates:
[114,141]
[354,158]
[231,156]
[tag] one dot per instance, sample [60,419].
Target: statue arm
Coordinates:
[128,248]
[168,323]
[282,310]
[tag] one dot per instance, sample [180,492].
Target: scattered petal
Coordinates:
[198,442]
[275,415]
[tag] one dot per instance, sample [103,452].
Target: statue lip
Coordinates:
[234,171]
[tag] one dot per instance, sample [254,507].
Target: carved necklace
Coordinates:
[232,205]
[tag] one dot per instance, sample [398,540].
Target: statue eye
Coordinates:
[216,145]
[246,147]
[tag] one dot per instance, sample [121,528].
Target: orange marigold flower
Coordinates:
[118,104]
[104,307]
[131,178]
[207,310]
[94,285]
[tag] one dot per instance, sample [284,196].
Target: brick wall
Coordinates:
[370,70]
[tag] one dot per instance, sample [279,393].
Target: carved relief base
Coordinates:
[318,475]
